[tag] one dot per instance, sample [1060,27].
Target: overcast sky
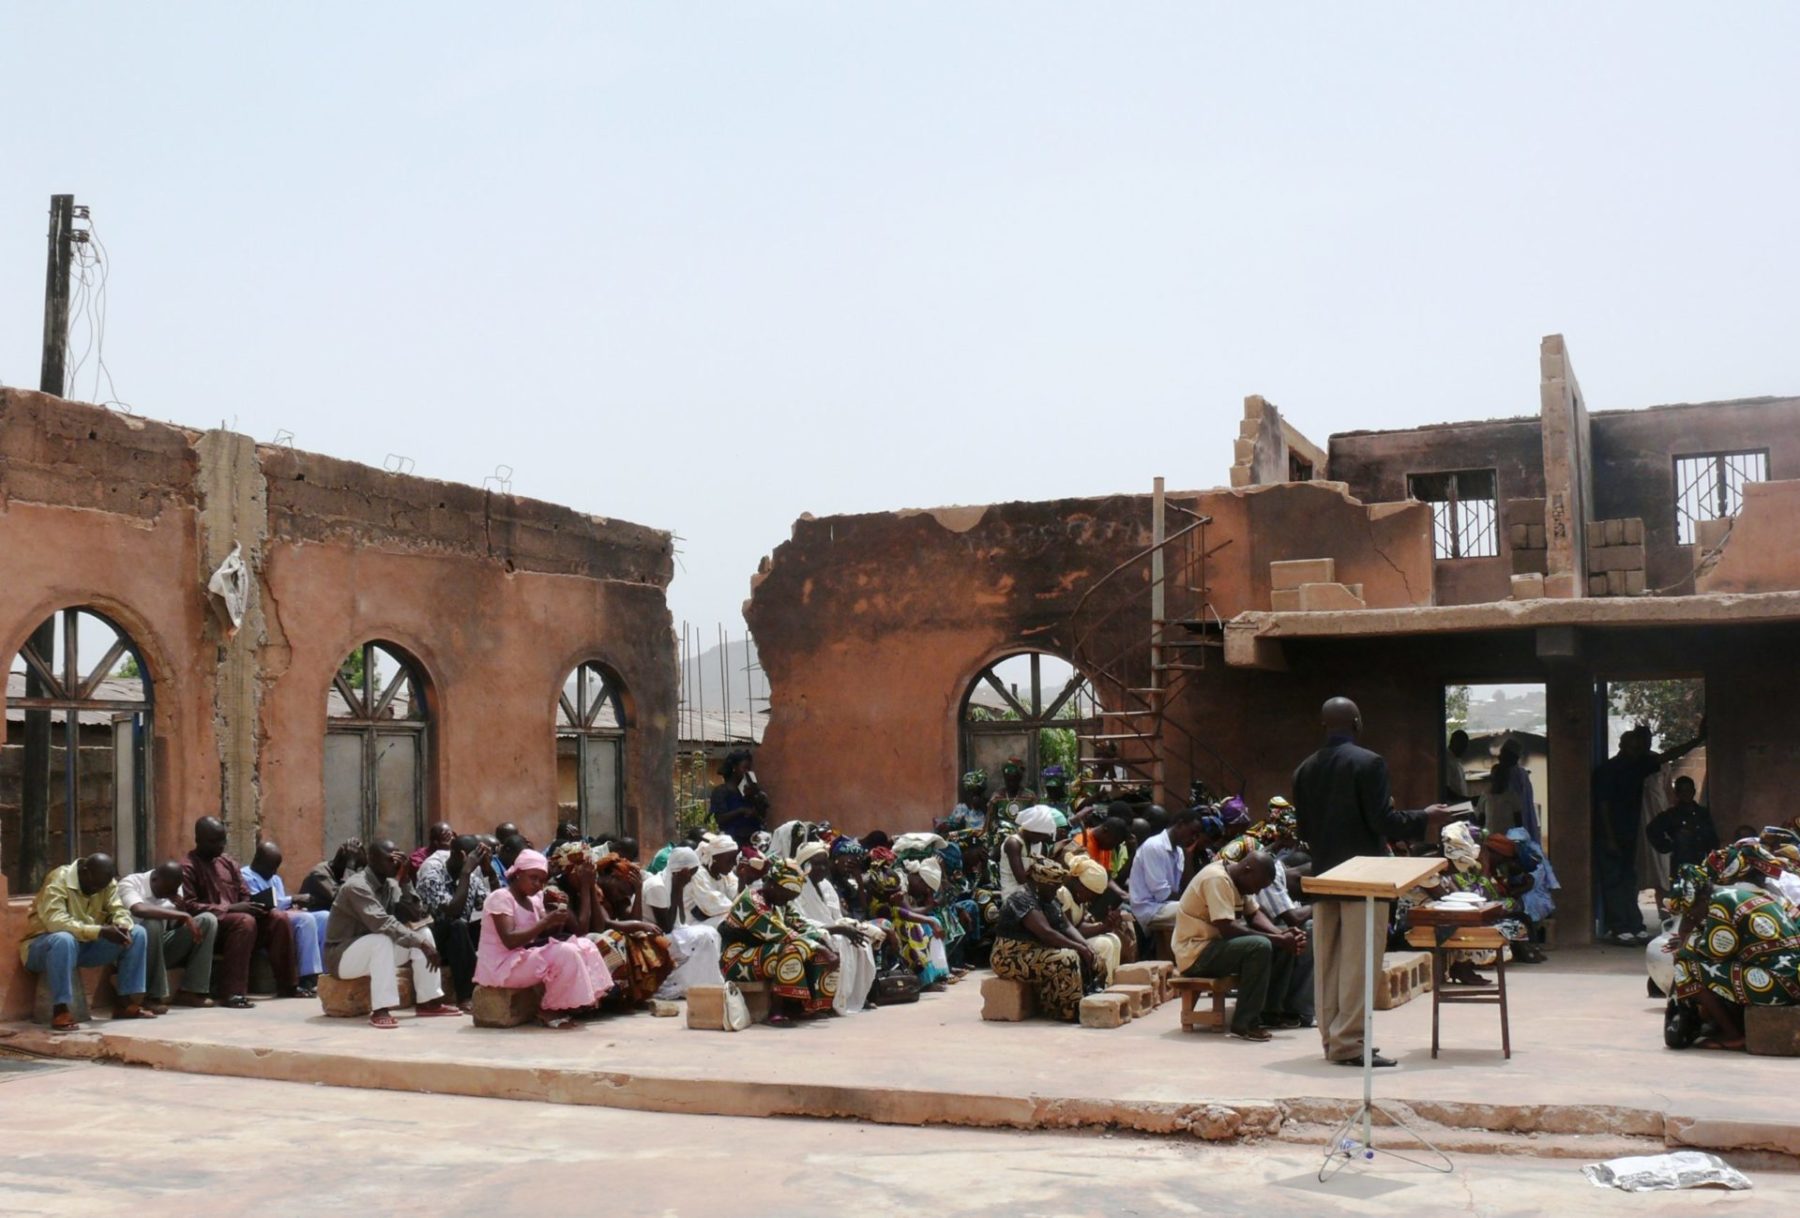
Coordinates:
[711,266]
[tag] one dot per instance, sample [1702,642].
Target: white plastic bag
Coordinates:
[737,1011]
[1678,1169]
[229,584]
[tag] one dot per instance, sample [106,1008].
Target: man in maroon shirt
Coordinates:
[211,883]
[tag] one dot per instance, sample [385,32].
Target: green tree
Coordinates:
[1456,709]
[1671,709]
[128,668]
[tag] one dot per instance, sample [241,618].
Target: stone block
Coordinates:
[1615,532]
[345,999]
[1284,600]
[1616,558]
[1240,475]
[1711,534]
[1249,429]
[1254,405]
[1634,530]
[1597,585]
[1244,450]
[1772,1031]
[1004,1000]
[1295,573]
[1615,583]
[1527,587]
[1518,536]
[1636,583]
[1523,511]
[1538,538]
[1321,598]
[500,1007]
[1153,973]
[757,997]
[1596,534]
[1402,977]
[706,1007]
[1143,997]
[664,1008]
[1105,1011]
[1561,587]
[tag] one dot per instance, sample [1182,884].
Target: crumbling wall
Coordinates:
[1634,467]
[499,598]
[1568,471]
[1758,553]
[1375,465]
[871,627]
[1267,446]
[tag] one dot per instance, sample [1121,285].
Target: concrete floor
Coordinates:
[94,1139]
[1587,1058]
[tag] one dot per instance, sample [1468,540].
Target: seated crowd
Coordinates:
[1054,891]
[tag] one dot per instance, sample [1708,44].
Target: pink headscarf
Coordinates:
[529,860]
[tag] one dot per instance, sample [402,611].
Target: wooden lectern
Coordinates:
[1372,878]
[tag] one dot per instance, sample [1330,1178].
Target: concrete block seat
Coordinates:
[1004,1000]
[1192,989]
[706,1004]
[347,999]
[1154,973]
[1772,1031]
[1402,977]
[501,1007]
[1105,1010]
[1141,997]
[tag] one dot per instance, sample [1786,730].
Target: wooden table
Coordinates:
[1465,939]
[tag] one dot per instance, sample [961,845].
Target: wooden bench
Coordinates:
[1191,990]
[1465,939]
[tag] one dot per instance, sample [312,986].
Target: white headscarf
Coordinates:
[1038,818]
[929,870]
[682,858]
[809,852]
[908,842]
[712,846]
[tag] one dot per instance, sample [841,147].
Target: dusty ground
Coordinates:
[93,1139]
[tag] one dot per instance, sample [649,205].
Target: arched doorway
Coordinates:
[590,751]
[1031,705]
[75,771]
[377,745]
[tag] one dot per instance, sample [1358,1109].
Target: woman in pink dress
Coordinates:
[517,952]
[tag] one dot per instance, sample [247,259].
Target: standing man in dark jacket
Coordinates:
[1345,810]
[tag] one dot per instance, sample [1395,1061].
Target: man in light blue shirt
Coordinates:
[1161,867]
[263,875]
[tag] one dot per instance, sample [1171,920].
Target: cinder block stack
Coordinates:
[1310,585]
[1526,538]
[1615,557]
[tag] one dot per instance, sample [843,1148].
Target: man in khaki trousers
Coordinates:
[1346,811]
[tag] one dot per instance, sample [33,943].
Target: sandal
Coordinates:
[780,1021]
[383,1020]
[1255,1035]
[64,1021]
[133,1010]
[558,1023]
[189,999]
[237,1002]
[436,1010]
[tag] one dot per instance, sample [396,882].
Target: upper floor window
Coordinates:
[1710,486]
[1464,512]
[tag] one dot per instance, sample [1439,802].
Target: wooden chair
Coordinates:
[1191,990]
[1466,938]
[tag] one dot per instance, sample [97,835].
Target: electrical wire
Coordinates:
[91,269]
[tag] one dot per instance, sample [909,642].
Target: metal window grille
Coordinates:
[1710,486]
[1465,512]
[590,729]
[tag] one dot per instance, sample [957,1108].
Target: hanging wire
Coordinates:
[91,269]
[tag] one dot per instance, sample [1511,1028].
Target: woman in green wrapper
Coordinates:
[765,942]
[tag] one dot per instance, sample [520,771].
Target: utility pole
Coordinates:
[34,829]
[57,264]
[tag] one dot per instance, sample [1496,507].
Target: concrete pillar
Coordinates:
[1569,693]
[234,511]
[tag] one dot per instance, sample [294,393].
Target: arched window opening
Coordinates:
[1032,706]
[377,744]
[74,772]
[590,751]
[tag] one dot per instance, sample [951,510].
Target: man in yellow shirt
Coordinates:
[78,921]
[1220,931]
